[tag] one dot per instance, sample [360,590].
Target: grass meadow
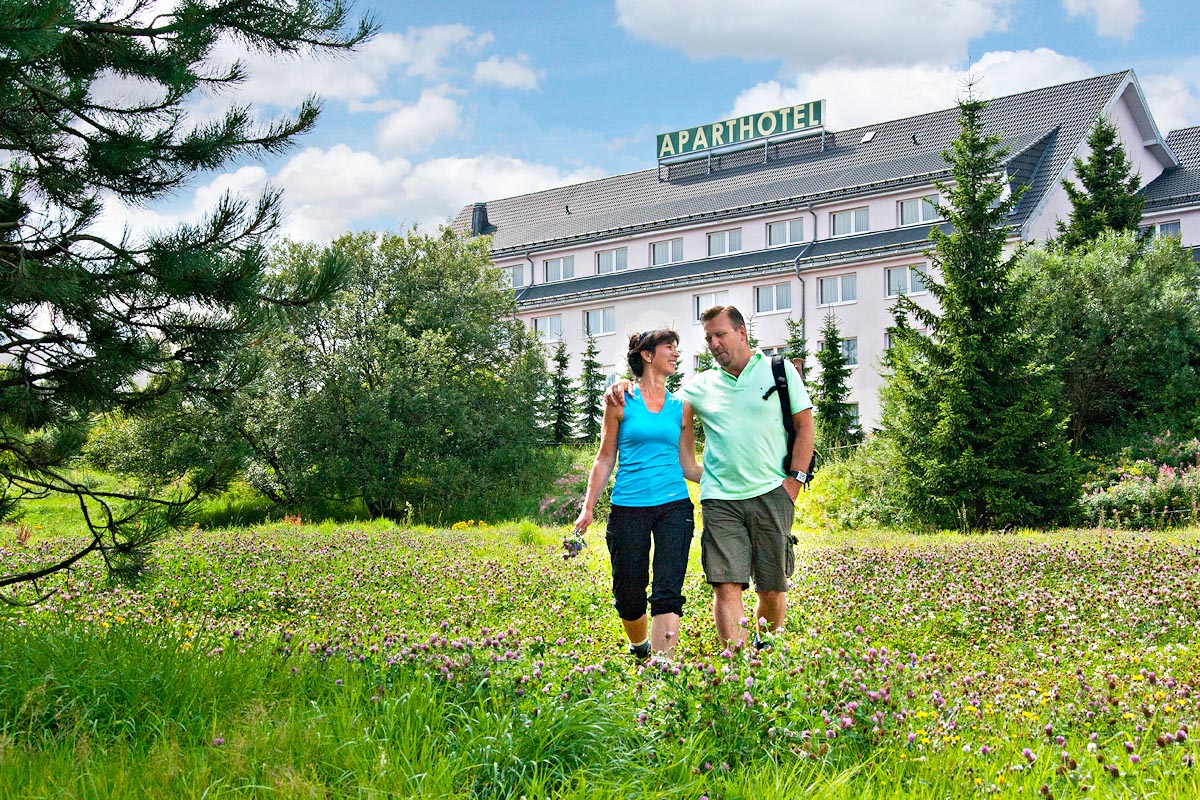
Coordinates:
[365,659]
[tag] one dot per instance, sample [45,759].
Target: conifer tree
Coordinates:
[562,396]
[90,324]
[835,424]
[796,346]
[968,407]
[591,390]
[1108,198]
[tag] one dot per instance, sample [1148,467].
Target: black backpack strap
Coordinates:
[785,405]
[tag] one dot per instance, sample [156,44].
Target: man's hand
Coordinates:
[615,396]
[792,487]
[583,521]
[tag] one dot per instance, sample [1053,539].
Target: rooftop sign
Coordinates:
[791,119]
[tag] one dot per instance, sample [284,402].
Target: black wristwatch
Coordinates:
[798,475]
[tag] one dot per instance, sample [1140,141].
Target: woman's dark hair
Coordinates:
[647,341]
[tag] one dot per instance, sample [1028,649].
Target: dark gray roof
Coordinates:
[824,253]
[1178,186]
[1040,128]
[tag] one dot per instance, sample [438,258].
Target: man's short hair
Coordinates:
[735,316]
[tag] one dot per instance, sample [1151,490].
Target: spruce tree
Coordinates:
[796,346]
[90,324]
[1108,198]
[969,408]
[591,391]
[835,424]
[562,396]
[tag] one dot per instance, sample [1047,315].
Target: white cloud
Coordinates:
[1174,101]
[1114,18]
[437,189]
[862,95]
[415,127]
[325,192]
[806,33]
[357,78]
[508,73]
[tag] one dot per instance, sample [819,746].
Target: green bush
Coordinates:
[853,490]
[1152,484]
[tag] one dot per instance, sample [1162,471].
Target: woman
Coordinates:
[651,438]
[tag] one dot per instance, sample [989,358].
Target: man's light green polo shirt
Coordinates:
[744,438]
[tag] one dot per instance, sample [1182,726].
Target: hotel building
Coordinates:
[798,222]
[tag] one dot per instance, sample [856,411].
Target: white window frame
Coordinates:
[774,291]
[717,298]
[793,231]
[841,293]
[860,220]
[548,329]
[674,251]
[777,350]
[850,346]
[620,260]
[611,375]
[508,276]
[845,348]
[855,415]
[926,213]
[722,242]
[909,271]
[1155,229]
[564,267]
[608,314]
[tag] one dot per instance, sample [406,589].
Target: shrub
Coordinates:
[1145,495]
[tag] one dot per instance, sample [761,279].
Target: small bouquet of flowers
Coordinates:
[573,544]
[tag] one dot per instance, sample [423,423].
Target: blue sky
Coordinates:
[458,100]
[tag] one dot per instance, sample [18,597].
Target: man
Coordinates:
[748,501]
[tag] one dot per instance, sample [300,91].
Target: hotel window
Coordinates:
[548,328]
[777,297]
[789,231]
[667,252]
[856,220]
[612,260]
[723,242]
[1170,228]
[918,210]
[559,269]
[703,302]
[599,321]
[837,289]
[696,365]
[855,419]
[905,280]
[512,277]
[849,349]
[611,375]
[773,351]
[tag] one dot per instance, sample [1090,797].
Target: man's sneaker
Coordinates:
[640,651]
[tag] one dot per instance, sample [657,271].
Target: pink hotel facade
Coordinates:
[804,224]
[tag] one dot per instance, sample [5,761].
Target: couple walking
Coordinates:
[748,500]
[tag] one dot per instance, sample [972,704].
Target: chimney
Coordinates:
[479,220]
